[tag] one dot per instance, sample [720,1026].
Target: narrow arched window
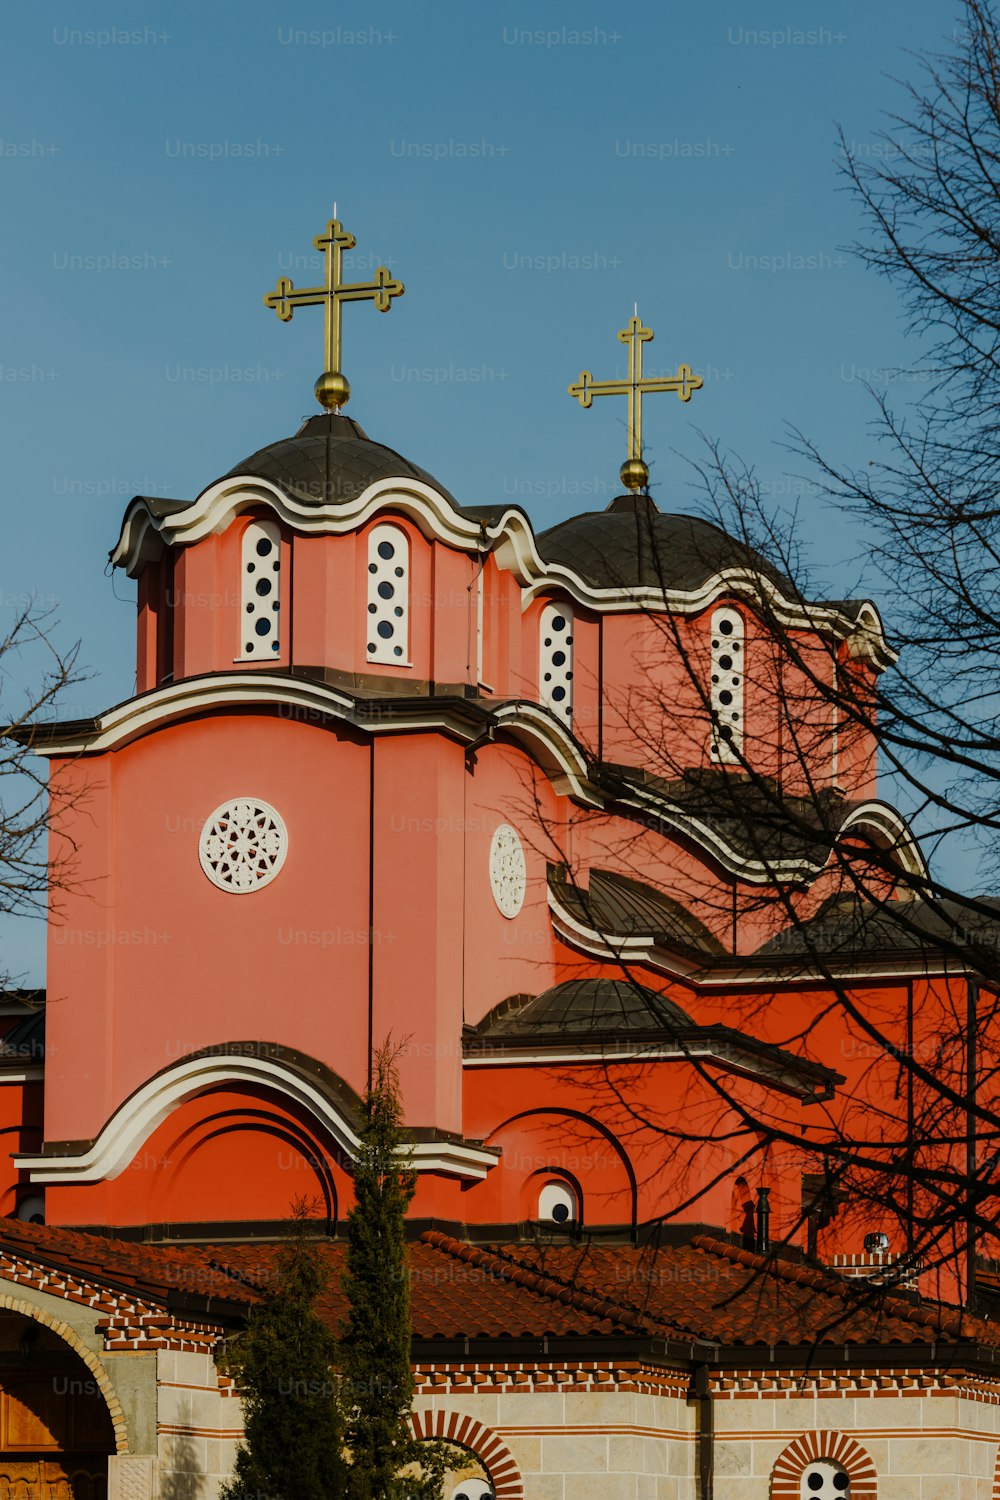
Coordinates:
[388,595]
[260,615]
[727,684]
[555,669]
[557,1203]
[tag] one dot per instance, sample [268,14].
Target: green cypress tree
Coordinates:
[284,1366]
[387,1462]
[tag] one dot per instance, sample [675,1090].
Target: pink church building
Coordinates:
[400,766]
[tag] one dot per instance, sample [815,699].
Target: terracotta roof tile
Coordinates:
[706,1290]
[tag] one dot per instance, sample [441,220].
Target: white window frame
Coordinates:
[392,572]
[727,684]
[252,570]
[552,641]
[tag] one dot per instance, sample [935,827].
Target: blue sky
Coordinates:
[529,171]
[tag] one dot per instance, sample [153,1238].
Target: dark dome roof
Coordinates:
[633,544]
[581,1007]
[330,458]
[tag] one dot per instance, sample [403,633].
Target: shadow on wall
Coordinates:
[183,1476]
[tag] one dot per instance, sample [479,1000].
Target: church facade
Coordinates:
[400,767]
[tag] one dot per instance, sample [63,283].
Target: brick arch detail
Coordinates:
[494,1455]
[90,1359]
[786,1476]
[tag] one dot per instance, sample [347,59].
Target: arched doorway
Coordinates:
[56,1433]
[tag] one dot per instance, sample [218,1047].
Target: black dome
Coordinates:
[582,1007]
[633,544]
[330,458]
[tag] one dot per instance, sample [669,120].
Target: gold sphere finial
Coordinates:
[634,474]
[332,390]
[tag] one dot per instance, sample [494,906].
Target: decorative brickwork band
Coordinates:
[786,1476]
[494,1455]
[996,1477]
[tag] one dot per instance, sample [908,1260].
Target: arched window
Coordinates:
[557,1203]
[555,671]
[261,593]
[824,1479]
[388,595]
[727,684]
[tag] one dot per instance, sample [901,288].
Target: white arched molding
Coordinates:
[726,695]
[548,742]
[260,592]
[134,1122]
[509,538]
[388,609]
[555,660]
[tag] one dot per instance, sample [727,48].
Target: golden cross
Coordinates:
[634,473]
[332,388]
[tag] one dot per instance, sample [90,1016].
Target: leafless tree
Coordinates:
[34,674]
[912,1138]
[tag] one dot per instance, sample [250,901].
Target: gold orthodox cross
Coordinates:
[332,388]
[634,473]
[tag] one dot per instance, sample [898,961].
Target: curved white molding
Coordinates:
[540,733]
[143,534]
[625,951]
[887,823]
[551,745]
[510,538]
[514,549]
[878,816]
[135,1121]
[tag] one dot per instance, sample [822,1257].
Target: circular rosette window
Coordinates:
[243,845]
[508,872]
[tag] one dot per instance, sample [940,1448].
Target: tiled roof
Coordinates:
[714,1292]
[706,1290]
[153,1271]
[849,925]
[586,1007]
[619,906]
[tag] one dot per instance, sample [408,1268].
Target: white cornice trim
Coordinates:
[781,1074]
[22,1075]
[645,952]
[510,538]
[143,534]
[135,1121]
[884,819]
[549,743]
[552,747]
[533,726]
[878,816]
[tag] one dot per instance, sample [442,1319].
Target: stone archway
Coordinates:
[60,1420]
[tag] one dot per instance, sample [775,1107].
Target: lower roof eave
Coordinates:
[673,1352]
